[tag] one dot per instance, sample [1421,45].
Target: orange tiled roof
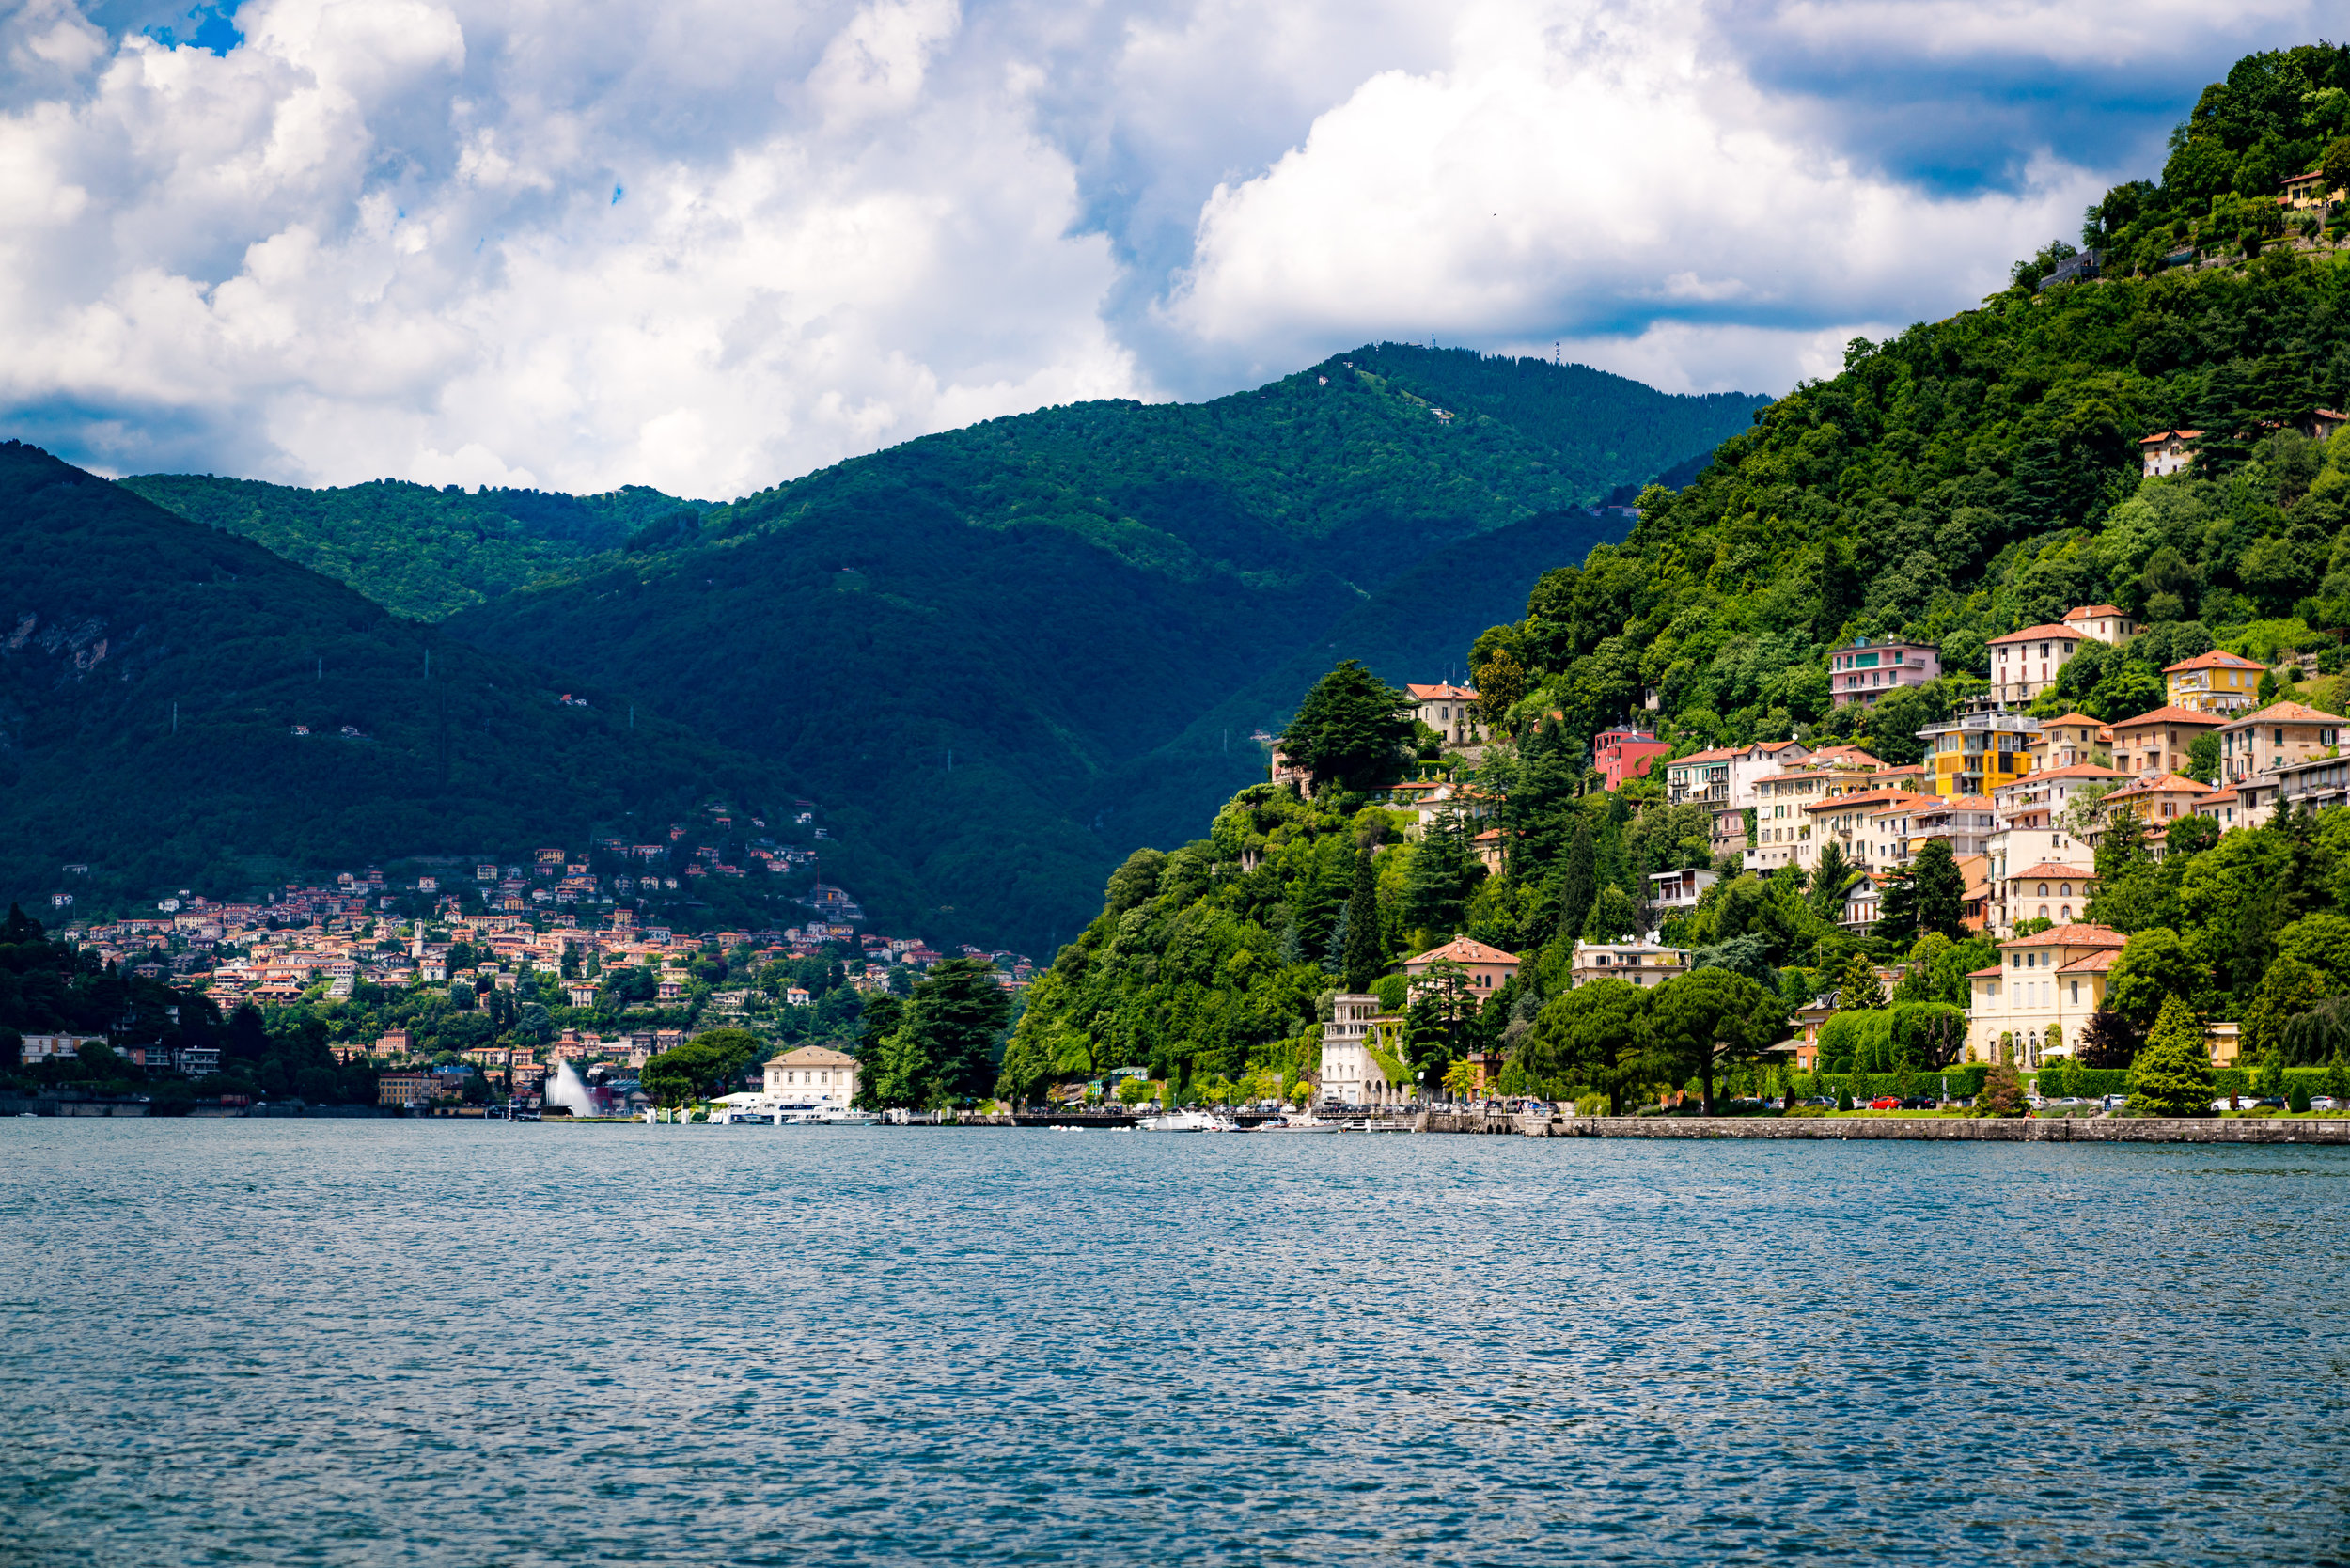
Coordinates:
[1719,754]
[2169,784]
[2046,725]
[2168,713]
[2073,770]
[1464,949]
[2072,936]
[2165,435]
[1440,692]
[2034,633]
[2284,712]
[2219,658]
[2096,962]
[2082,612]
[2055,867]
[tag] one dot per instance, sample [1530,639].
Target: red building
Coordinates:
[1624,753]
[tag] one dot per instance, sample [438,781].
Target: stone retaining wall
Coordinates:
[2117,1129]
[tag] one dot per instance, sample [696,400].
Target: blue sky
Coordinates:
[709,246]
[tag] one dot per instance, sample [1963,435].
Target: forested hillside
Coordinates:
[153,673]
[422,552]
[1012,652]
[1971,477]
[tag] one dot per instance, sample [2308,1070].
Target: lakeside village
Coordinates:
[465,990]
[2012,806]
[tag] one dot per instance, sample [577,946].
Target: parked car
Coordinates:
[2322,1102]
[1920,1101]
[1884,1102]
[2270,1102]
[1819,1100]
[2115,1102]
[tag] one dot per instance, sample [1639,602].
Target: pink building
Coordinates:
[1624,752]
[1867,670]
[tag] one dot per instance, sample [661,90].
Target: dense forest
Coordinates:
[157,679]
[421,552]
[997,657]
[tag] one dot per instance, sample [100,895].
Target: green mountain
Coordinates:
[421,552]
[977,647]
[153,673]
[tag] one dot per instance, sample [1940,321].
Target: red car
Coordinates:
[1885,1102]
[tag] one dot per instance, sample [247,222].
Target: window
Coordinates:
[2044,893]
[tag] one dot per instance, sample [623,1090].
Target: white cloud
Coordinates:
[709,246]
[1593,169]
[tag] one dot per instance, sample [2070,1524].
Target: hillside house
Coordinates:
[2279,734]
[2054,890]
[2307,786]
[1723,779]
[2023,663]
[1360,1047]
[2104,623]
[2168,452]
[1672,892]
[1868,670]
[2215,682]
[1623,752]
[2156,801]
[1866,824]
[1783,827]
[2039,800]
[1452,711]
[2070,740]
[1644,963]
[2033,1005]
[2159,741]
[810,1075]
[1488,968]
[1975,753]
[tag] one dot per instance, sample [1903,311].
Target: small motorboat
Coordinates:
[1303,1122]
[1185,1121]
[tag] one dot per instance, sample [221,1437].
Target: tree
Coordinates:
[1613,916]
[1830,879]
[1927,1035]
[939,1052]
[1941,891]
[2290,987]
[2322,1034]
[1363,953]
[1709,1019]
[1436,886]
[2202,765]
[1595,1034]
[2155,966]
[1500,683]
[2002,1092]
[1858,987]
[2172,1076]
[1578,880]
[702,1069]
[1897,908]
[1353,731]
[1749,956]
[2108,1040]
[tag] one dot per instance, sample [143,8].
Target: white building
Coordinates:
[1449,710]
[1678,891]
[1351,1070]
[1644,963]
[811,1075]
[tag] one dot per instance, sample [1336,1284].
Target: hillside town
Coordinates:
[552,950]
[2021,798]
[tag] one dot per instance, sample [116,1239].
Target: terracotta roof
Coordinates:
[2168,714]
[813,1056]
[1719,754]
[1775,746]
[2034,633]
[1863,797]
[2054,867]
[2068,718]
[2169,784]
[1843,753]
[2165,435]
[2082,612]
[1489,833]
[2219,658]
[1464,950]
[1985,974]
[2096,962]
[1431,693]
[2072,936]
[2284,712]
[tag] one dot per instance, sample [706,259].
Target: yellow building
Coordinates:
[2215,682]
[1975,753]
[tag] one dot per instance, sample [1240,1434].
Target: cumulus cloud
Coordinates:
[712,247]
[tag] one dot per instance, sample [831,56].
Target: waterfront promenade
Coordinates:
[1921,1129]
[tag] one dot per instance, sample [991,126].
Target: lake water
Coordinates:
[465,1343]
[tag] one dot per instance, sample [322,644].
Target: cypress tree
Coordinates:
[1362,954]
[1579,883]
